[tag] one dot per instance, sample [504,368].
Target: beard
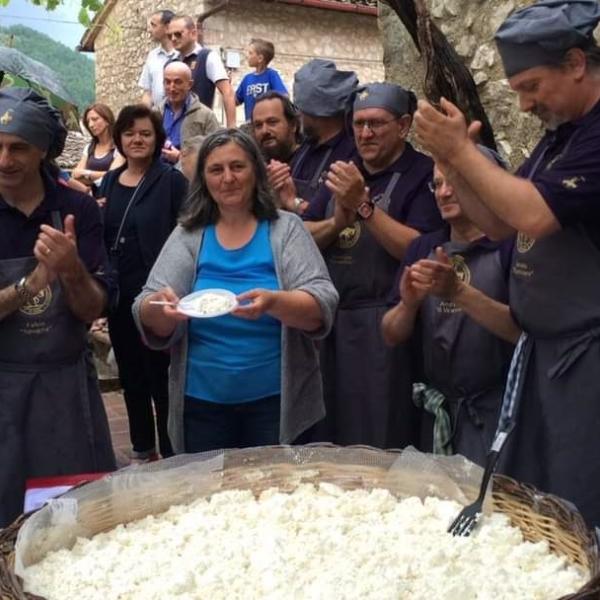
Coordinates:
[551,121]
[280,151]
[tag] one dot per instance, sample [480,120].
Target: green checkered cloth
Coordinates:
[432,401]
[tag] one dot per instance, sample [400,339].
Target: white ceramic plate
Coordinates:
[209,303]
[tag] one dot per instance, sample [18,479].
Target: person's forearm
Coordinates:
[147,98]
[10,301]
[229,106]
[398,324]
[154,320]
[392,235]
[297,309]
[87,175]
[84,295]
[514,200]
[490,314]
[324,232]
[476,210]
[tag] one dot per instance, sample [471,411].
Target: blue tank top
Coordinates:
[233,360]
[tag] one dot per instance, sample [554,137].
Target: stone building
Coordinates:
[345,31]
[469,25]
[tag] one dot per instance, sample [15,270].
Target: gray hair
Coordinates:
[200,207]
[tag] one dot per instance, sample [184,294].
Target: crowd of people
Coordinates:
[389,294]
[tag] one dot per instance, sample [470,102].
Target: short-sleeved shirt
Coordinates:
[254,85]
[18,232]
[567,172]
[207,70]
[411,202]
[151,78]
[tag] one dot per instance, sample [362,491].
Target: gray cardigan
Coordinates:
[299,266]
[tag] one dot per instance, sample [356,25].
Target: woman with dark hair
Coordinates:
[100,155]
[251,377]
[143,199]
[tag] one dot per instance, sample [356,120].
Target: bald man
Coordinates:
[184,116]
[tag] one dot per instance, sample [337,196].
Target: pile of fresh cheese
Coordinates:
[211,303]
[316,543]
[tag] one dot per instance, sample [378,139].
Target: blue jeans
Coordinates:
[211,425]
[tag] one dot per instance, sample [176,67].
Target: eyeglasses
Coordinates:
[374,125]
[175,35]
[437,184]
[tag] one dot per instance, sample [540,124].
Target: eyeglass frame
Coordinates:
[369,124]
[435,186]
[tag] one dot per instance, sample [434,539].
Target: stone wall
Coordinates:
[469,25]
[299,34]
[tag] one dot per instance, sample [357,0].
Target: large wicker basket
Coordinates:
[539,516]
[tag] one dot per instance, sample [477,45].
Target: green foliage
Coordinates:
[86,14]
[77,72]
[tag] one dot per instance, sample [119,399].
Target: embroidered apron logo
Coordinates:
[460,268]
[524,243]
[349,236]
[38,304]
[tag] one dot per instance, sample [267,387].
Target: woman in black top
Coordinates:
[143,198]
[100,155]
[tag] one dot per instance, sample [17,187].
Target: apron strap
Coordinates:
[56,220]
[314,182]
[574,350]
[298,163]
[384,202]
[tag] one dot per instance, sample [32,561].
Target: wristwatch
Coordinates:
[23,292]
[298,202]
[365,210]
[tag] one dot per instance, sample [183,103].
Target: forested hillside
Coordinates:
[76,70]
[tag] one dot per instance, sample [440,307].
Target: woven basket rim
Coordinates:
[552,510]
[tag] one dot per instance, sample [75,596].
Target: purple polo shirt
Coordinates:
[18,232]
[309,157]
[568,172]
[411,203]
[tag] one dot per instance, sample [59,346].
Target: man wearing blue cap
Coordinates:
[364,219]
[322,94]
[52,282]
[553,63]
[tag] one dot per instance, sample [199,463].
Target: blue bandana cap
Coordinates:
[541,34]
[389,96]
[28,115]
[321,90]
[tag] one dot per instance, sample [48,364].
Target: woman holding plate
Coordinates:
[250,377]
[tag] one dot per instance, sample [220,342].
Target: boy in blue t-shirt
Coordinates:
[259,54]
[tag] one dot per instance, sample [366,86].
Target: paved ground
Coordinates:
[119,426]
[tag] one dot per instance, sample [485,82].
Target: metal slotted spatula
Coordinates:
[468,517]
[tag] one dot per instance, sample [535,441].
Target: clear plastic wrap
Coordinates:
[136,492]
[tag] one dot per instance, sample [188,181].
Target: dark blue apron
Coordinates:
[462,360]
[555,297]
[367,385]
[52,420]
[307,188]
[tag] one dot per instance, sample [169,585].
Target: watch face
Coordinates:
[365,210]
